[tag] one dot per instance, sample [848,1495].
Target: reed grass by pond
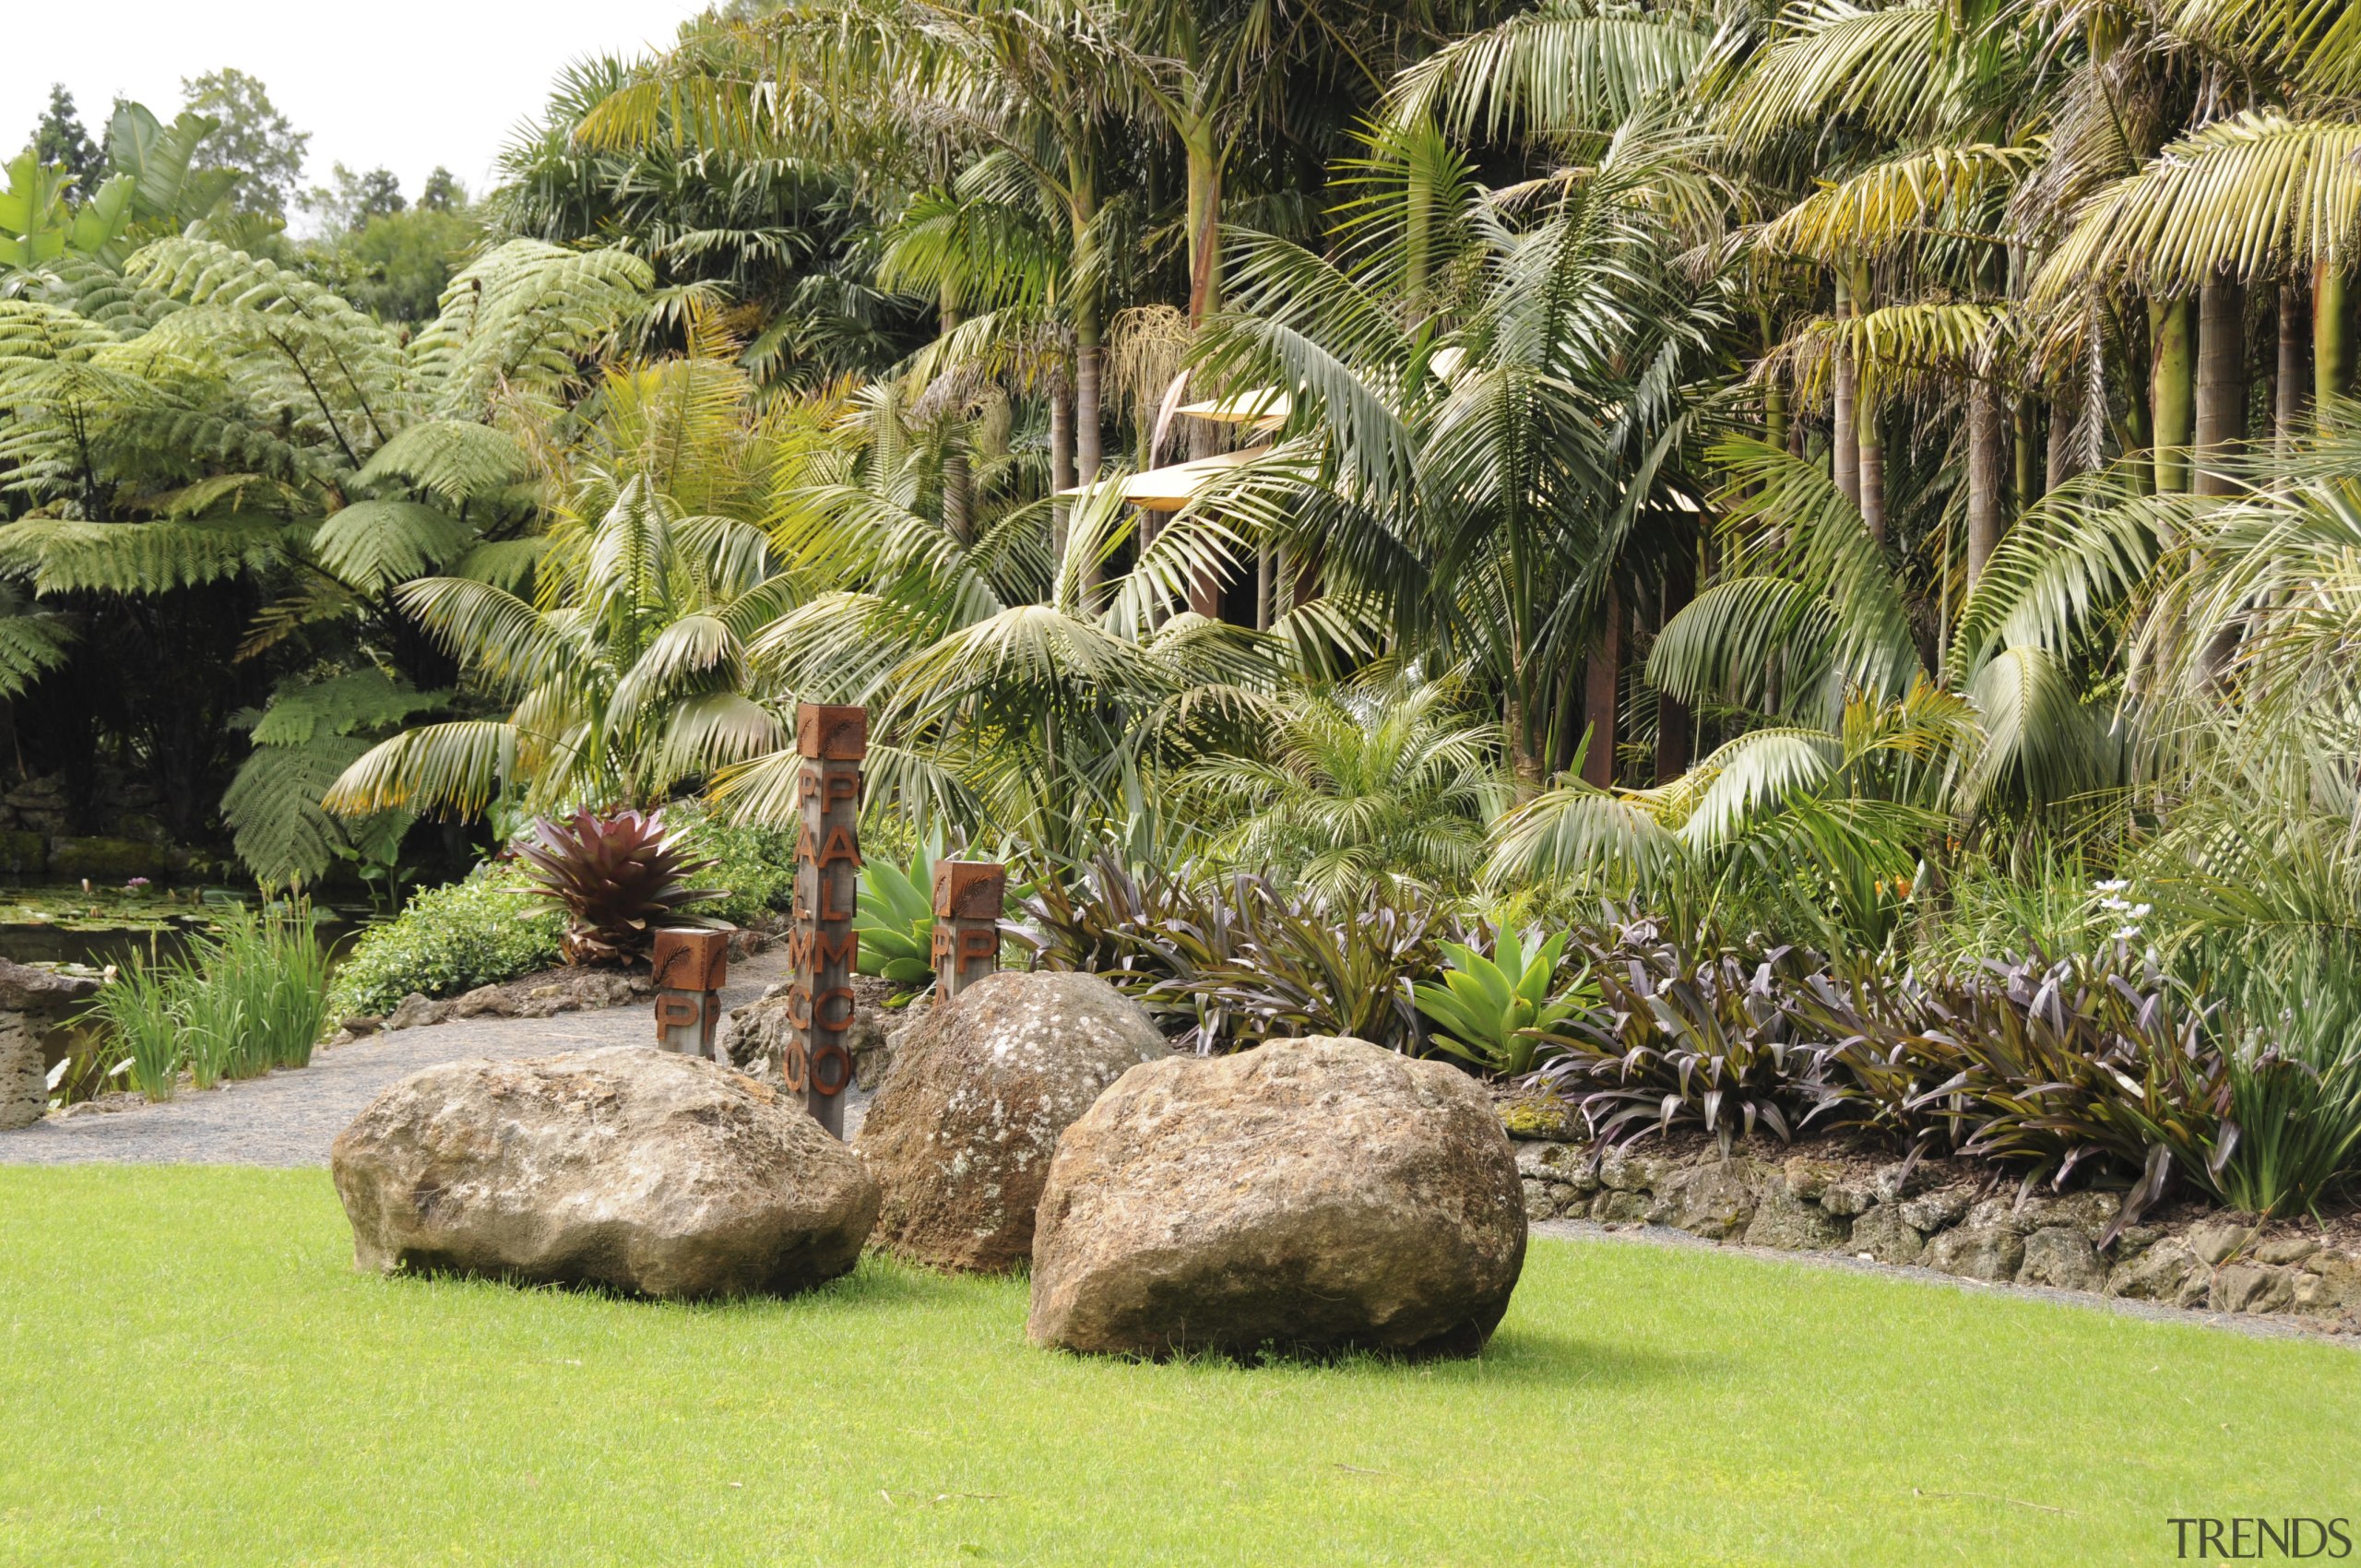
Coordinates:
[194,1375]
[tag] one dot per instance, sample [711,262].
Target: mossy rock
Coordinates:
[1529,1114]
[23,854]
[107,859]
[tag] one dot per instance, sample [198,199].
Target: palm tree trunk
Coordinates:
[1674,721]
[1871,451]
[958,511]
[1522,760]
[1987,461]
[1774,412]
[2026,488]
[2221,385]
[2293,378]
[2332,339]
[1845,444]
[1201,145]
[2060,465]
[1090,422]
[957,520]
[1061,463]
[1872,470]
[1605,669]
[2173,329]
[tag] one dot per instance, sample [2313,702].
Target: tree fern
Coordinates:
[62,556]
[374,544]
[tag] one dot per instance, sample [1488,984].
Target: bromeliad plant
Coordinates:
[1498,1012]
[1226,962]
[1675,1040]
[2096,1067]
[617,876]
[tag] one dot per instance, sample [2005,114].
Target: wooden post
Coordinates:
[816,1062]
[967,896]
[691,968]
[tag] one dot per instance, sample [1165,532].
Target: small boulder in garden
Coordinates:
[961,1134]
[32,1002]
[1309,1194]
[655,1173]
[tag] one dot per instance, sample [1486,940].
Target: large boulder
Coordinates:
[660,1174]
[31,1002]
[753,1036]
[1309,1194]
[961,1133]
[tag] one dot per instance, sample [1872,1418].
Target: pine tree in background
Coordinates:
[60,137]
[442,193]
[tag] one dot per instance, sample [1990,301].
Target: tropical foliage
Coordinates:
[1873,482]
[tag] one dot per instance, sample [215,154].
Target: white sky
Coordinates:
[407,85]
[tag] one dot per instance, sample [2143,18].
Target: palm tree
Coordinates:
[1039,86]
[1386,776]
[626,672]
[1497,389]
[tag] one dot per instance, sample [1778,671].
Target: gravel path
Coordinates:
[291,1117]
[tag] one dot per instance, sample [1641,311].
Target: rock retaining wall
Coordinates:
[1953,1219]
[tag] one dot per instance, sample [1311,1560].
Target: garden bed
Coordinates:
[1962,1217]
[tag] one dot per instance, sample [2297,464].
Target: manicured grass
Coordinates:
[192,1373]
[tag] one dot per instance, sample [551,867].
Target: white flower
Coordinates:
[2141,912]
[2127,933]
[2116,885]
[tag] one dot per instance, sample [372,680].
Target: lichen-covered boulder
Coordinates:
[755,1037]
[660,1174]
[31,1003]
[1309,1194]
[960,1135]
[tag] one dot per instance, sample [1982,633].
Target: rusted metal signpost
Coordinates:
[818,1063]
[691,969]
[967,896]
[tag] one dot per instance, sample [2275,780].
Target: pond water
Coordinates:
[78,924]
[69,923]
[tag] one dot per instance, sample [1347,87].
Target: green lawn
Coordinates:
[194,1373]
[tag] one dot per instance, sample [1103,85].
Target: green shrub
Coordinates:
[2295,1073]
[448,940]
[1496,1012]
[1994,913]
[754,866]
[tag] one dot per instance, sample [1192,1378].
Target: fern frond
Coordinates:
[372,544]
[456,459]
[62,556]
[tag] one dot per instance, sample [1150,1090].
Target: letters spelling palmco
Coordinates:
[822,947]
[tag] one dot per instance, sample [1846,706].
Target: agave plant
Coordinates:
[619,876]
[1497,1012]
[894,917]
